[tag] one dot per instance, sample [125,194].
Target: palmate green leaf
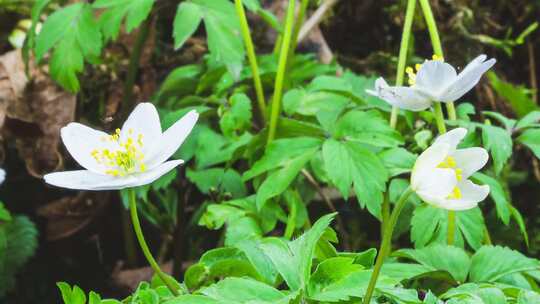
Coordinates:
[351,164]
[429,224]
[134,12]
[74,34]
[491,263]
[528,297]
[293,260]
[222,29]
[71,296]
[452,259]
[530,120]
[368,128]
[531,139]
[243,290]
[499,143]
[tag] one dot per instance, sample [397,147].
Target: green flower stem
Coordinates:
[296,29]
[282,67]
[450,236]
[291,222]
[439,117]
[250,50]
[403,50]
[437,46]
[385,244]
[146,251]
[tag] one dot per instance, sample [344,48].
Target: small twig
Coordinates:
[315,19]
[532,71]
[328,201]
[536,168]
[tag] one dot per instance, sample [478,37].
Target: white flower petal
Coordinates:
[87,180]
[437,183]
[402,97]
[2,176]
[470,160]
[466,80]
[152,175]
[81,140]
[428,161]
[144,120]
[171,140]
[471,195]
[434,76]
[474,63]
[452,138]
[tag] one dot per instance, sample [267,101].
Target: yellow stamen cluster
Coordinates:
[411,73]
[450,163]
[125,160]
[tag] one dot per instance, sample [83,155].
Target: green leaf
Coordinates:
[530,120]
[498,194]
[368,128]
[280,152]
[74,34]
[5,216]
[134,12]
[192,299]
[220,262]
[293,260]
[335,279]
[71,296]
[491,263]
[499,142]
[397,160]
[187,20]
[223,32]
[218,179]
[429,224]
[349,163]
[518,97]
[237,117]
[279,180]
[243,290]
[531,139]
[452,259]
[475,293]
[181,81]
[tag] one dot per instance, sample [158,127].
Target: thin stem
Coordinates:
[451,232]
[133,67]
[437,45]
[291,222]
[142,242]
[439,117]
[280,76]
[315,18]
[403,50]
[296,29]
[385,244]
[129,240]
[250,50]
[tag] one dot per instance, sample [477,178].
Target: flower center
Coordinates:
[450,163]
[411,73]
[126,160]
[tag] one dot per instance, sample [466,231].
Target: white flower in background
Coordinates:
[133,156]
[2,176]
[433,81]
[441,173]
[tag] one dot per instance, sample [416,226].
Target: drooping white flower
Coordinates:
[441,173]
[433,81]
[133,156]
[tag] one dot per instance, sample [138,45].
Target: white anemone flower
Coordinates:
[441,173]
[433,81]
[2,176]
[132,156]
